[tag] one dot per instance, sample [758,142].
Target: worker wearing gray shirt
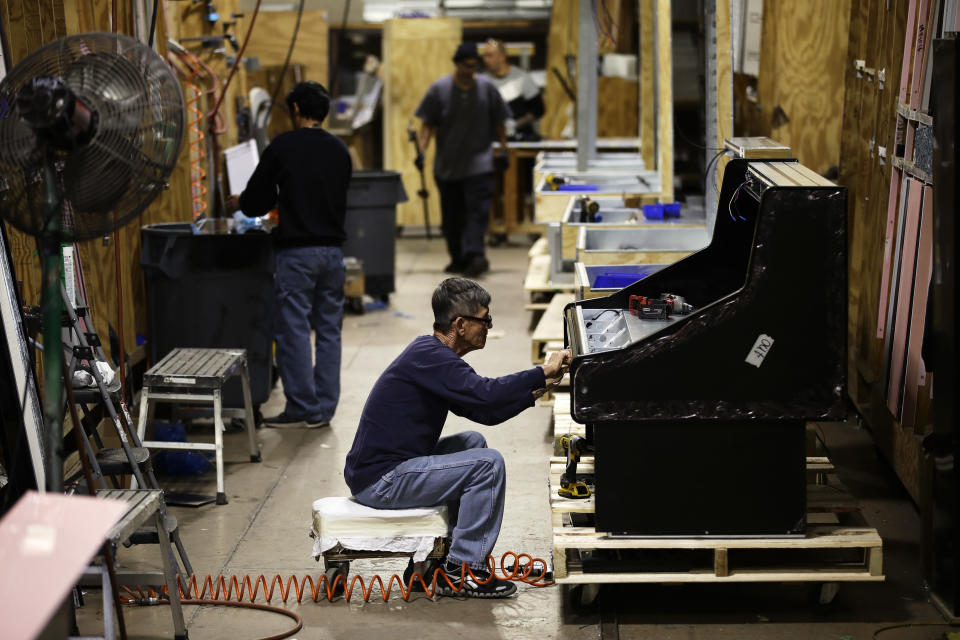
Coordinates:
[466,113]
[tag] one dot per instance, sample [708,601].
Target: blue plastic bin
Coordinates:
[653,211]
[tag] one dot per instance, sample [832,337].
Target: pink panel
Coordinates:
[904,293]
[46,541]
[888,241]
[909,41]
[916,370]
[921,52]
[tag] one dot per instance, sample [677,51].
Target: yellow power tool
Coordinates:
[569,486]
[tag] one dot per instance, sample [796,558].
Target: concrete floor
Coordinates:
[263,530]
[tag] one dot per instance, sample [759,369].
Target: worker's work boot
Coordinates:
[472,583]
[476,266]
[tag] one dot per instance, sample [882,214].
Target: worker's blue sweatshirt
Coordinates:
[405,411]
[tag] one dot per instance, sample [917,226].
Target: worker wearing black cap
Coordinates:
[466,114]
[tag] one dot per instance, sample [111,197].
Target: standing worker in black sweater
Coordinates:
[307,171]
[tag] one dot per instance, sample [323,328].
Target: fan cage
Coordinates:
[102,184]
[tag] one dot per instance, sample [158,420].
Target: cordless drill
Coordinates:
[554,181]
[569,487]
[658,308]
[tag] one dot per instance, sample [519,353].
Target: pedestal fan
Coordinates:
[90,129]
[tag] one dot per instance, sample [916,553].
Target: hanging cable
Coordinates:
[286,62]
[243,47]
[153,22]
[706,173]
[335,61]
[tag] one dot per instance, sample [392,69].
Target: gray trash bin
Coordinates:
[372,227]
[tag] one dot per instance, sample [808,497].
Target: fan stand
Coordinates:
[52,320]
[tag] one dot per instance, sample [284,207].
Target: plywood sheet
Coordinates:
[647,95]
[811,42]
[617,109]
[664,99]
[271,35]
[416,52]
[562,41]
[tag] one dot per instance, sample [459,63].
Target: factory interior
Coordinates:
[251,385]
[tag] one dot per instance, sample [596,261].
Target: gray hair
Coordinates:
[454,298]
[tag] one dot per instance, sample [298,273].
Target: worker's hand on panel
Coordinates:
[557,364]
[232,203]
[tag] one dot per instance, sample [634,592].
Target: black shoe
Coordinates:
[286,421]
[476,266]
[472,583]
[455,266]
[417,586]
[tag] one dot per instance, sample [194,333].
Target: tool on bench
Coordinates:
[658,308]
[569,486]
[588,209]
[554,180]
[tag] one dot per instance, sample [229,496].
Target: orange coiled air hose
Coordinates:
[198,190]
[513,566]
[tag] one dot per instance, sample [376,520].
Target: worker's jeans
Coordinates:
[465,211]
[463,474]
[309,294]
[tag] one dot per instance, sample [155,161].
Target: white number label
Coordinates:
[759,350]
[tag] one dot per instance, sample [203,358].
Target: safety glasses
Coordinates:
[487,320]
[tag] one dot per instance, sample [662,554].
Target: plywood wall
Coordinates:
[800,83]
[416,52]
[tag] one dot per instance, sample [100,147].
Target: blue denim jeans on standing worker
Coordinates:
[309,294]
[465,211]
[463,474]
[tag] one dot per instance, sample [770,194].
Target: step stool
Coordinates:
[344,530]
[144,507]
[197,376]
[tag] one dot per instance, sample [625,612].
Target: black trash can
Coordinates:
[212,290]
[372,227]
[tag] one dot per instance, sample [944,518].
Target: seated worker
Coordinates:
[398,459]
[517,89]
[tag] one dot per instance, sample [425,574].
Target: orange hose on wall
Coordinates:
[198,152]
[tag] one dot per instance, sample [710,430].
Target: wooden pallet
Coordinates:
[538,289]
[548,335]
[796,559]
